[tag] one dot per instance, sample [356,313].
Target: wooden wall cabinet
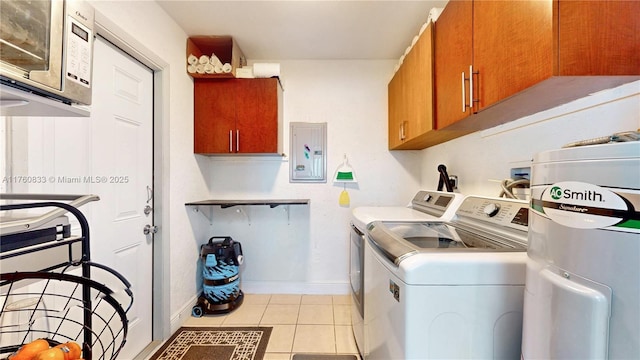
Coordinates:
[487,51]
[497,61]
[237,116]
[410,94]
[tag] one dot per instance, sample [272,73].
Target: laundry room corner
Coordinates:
[350,96]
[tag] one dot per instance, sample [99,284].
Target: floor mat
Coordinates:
[218,343]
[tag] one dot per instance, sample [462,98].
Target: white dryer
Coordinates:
[447,290]
[582,298]
[425,206]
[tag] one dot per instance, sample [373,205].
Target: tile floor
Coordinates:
[301,323]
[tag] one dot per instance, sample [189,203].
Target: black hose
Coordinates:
[444,179]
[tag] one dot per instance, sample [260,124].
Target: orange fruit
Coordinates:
[28,351]
[50,354]
[71,350]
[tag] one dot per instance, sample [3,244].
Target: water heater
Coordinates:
[582,294]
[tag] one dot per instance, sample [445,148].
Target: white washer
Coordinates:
[425,206]
[447,290]
[582,298]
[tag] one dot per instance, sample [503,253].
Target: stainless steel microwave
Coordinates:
[46,47]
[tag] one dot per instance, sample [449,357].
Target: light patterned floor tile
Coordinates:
[281,314]
[245,315]
[317,300]
[205,320]
[316,314]
[285,299]
[256,299]
[341,299]
[314,339]
[342,314]
[281,339]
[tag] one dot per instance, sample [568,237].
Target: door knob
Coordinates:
[150,229]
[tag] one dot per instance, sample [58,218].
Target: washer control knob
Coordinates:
[491,209]
[427,198]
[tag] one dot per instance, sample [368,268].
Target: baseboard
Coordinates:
[282,287]
[183,314]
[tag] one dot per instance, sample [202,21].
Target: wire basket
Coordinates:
[61,307]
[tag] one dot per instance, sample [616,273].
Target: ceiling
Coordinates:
[307,29]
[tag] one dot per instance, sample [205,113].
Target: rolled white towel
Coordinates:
[226,68]
[200,68]
[191,69]
[266,70]
[215,60]
[204,59]
[208,69]
[414,41]
[406,52]
[423,28]
[192,59]
[217,68]
[434,14]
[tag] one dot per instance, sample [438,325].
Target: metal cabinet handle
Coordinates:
[472,100]
[237,140]
[403,135]
[471,87]
[230,140]
[464,97]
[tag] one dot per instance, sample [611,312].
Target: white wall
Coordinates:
[484,158]
[310,252]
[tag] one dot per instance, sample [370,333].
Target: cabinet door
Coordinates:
[214,114]
[419,86]
[453,56]
[397,109]
[257,116]
[411,99]
[599,38]
[512,48]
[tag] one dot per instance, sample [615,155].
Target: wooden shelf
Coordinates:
[272,203]
[224,47]
[229,203]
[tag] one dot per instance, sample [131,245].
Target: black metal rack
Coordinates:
[41,298]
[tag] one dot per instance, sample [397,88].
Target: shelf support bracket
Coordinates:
[287,209]
[209,218]
[240,210]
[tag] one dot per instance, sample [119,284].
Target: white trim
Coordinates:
[281,287]
[178,319]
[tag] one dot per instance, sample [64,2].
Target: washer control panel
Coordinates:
[432,202]
[497,211]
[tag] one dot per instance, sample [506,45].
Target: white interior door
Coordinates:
[122,169]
